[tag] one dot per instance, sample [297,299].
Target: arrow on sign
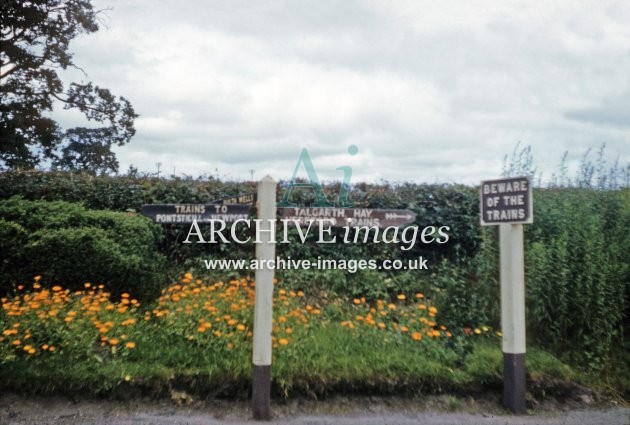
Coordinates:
[394,216]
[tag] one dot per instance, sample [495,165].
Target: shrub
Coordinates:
[70,245]
[577,272]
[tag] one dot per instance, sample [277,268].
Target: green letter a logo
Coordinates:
[320,197]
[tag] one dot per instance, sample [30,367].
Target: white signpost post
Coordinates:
[263,308]
[508,204]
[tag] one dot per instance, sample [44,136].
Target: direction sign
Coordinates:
[506,201]
[186,213]
[339,217]
[247,198]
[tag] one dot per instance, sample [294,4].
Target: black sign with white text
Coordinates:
[506,201]
[186,213]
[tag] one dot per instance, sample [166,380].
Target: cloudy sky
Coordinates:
[429,91]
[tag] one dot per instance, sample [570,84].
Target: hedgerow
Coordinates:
[65,242]
[577,267]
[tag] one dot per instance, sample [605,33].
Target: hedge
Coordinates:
[68,244]
[577,262]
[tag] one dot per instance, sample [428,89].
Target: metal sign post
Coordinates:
[508,203]
[263,309]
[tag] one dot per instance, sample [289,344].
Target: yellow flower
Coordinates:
[130,345]
[127,378]
[401,297]
[240,327]
[283,341]
[477,331]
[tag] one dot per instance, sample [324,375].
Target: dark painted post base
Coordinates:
[514,382]
[261,392]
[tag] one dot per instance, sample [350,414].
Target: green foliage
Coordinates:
[34,40]
[68,244]
[452,205]
[462,298]
[577,269]
[577,272]
[116,348]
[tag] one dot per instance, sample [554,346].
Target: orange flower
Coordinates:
[356,301]
[130,345]
[416,336]
[283,341]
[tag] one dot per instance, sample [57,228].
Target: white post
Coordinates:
[513,315]
[263,310]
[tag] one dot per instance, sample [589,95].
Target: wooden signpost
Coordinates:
[186,213]
[239,207]
[339,217]
[508,203]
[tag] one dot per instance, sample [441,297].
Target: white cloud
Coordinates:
[428,91]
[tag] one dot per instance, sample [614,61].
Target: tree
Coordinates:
[34,37]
